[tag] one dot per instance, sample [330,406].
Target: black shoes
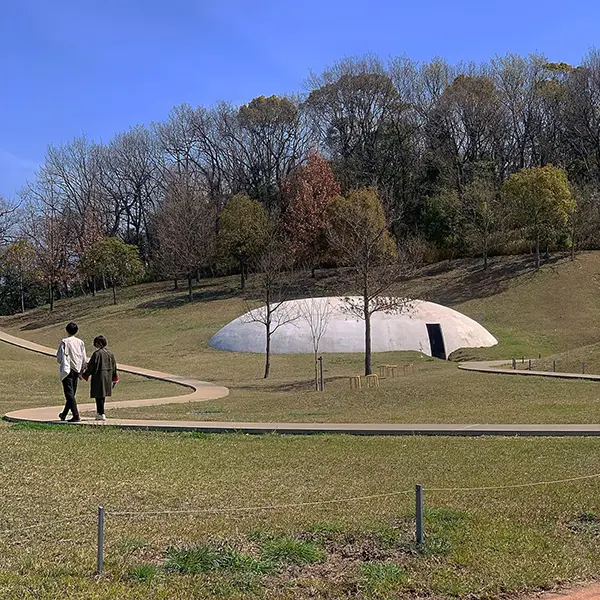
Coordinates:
[74,420]
[61,416]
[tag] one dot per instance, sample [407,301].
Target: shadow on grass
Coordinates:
[179,300]
[448,283]
[467,280]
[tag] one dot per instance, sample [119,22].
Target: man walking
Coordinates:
[72,359]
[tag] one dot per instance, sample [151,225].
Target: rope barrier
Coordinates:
[351,499]
[515,485]
[220,510]
[258,508]
[21,532]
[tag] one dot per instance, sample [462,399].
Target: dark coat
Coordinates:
[103,370]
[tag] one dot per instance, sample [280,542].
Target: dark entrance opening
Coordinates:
[436,340]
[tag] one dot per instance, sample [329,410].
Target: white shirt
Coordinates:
[71,356]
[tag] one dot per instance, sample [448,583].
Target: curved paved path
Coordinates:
[201,390]
[591,592]
[208,391]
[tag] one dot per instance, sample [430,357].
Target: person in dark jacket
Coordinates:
[102,368]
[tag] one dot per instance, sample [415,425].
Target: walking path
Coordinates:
[202,390]
[591,592]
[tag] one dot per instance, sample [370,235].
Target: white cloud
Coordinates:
[17,162]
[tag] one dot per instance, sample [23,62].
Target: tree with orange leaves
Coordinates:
[308,192]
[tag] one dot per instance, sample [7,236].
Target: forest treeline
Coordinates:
[200,192]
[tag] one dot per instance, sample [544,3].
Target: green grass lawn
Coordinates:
[484,544]
[479,544]
[585,359]
[437,393]
[554,310]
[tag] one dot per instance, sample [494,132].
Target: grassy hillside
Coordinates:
[531,313]
[555,309]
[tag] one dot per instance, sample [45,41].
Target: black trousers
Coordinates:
[100,405]
[70,389]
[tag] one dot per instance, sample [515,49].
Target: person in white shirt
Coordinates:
[73,360]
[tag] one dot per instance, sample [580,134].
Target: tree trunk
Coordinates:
[104,282]
[175,284]
[242,276]
[316,371]
[573,243]
[114,290]
[367,317]
[313,272]
[268,331]
[22,292]
[94,286]
[268,347]
[189,282]
[485,257]
[51,296]
[537,252]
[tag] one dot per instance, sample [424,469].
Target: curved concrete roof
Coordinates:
[406,330]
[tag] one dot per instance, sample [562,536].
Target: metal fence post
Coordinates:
[554,366]
[514,363]
[419,514]
[321,378]
[583,368]
[529,365]
[100,563]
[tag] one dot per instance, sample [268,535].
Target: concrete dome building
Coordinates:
[425,327]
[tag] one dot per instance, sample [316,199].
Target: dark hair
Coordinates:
[100,341]
[72,328]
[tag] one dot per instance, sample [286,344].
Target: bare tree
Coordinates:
[130,182]
[72,171]
[45,227]
[184,231]
[9,217]
[274,284]
[316,313]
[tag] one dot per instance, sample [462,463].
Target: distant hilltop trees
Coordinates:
[466,160]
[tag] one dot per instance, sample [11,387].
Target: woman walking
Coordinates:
[102,368]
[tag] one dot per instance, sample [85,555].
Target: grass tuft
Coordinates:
[204,559]
[290,550]
[191,561]
[586,522]
[143,573]
[382,578]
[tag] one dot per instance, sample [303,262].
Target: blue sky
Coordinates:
[100,67]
